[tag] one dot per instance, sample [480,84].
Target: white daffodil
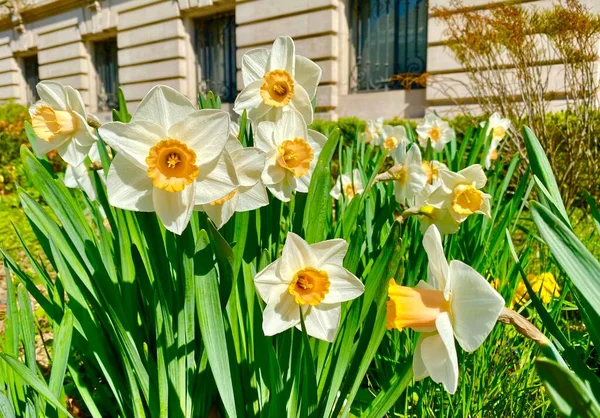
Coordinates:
[432,171]
[349,186]
[456,302]
[170,158]
[277,80]
[393,136]
[435,130]
[460,193]
[410,178]
[310,278]
[429,215]
[59,121]
[80,177]
[249,193]
[374,132]
[292,153]
[498,128]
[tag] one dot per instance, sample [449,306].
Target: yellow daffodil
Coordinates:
[311,278]
[249,193]
[59,121]
[456,302]
[460,193]
[276,80]
[170,158]
[544,285]
[432,171]
[497,128]
[430,215]
[435,130]
[393,137]
[410,179]
[348,186]
[292,153]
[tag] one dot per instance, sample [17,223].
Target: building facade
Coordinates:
[366,48]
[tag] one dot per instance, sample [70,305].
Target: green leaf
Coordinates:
[568,393]
[581,266]
[210,318]
[540,166]
[6,409]
[62,347]
[35,382]
[318,201]
[594,209]
[388,397]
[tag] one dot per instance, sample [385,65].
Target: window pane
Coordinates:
[32,77]
[215,48]
[389,38]
[107,68]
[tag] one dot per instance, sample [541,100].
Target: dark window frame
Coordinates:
[31,75]
[106,64]
[215,48]
[388,39]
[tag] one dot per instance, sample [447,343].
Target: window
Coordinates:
[32,78]
[389,43]
[107,70]
[215,49]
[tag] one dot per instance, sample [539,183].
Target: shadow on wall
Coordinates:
[406,104]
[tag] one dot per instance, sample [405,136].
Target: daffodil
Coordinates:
[498,128]
[455,303]
[80,177]
[59,121]
[307,278]
[393,137]
[432,171]
[430,215]
[277,80]
[349,186]
[292,152]
[436,131]
[544,285]
[374,132]
[409,176]
[249,192]
[170,158]
[460,193]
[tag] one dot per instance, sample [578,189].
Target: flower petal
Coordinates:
[75,101]
[322,321]
[254,65]
[290,126]
[205,131]
[267,280]
[296,255]
[174,209]
[74,152]
[419,370]
[249,164]
[132,140]
[221,213]
[284,189]
[281,312]
[439,354]
[308,75]
[331,251]
[128,186]
[164,106]
[474,174]
[53,93]
[249,98]
[343,284]
[437,267]
[282,55]
[252,198]
[302,103]
[475,305]
[265,136]
[215,180]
